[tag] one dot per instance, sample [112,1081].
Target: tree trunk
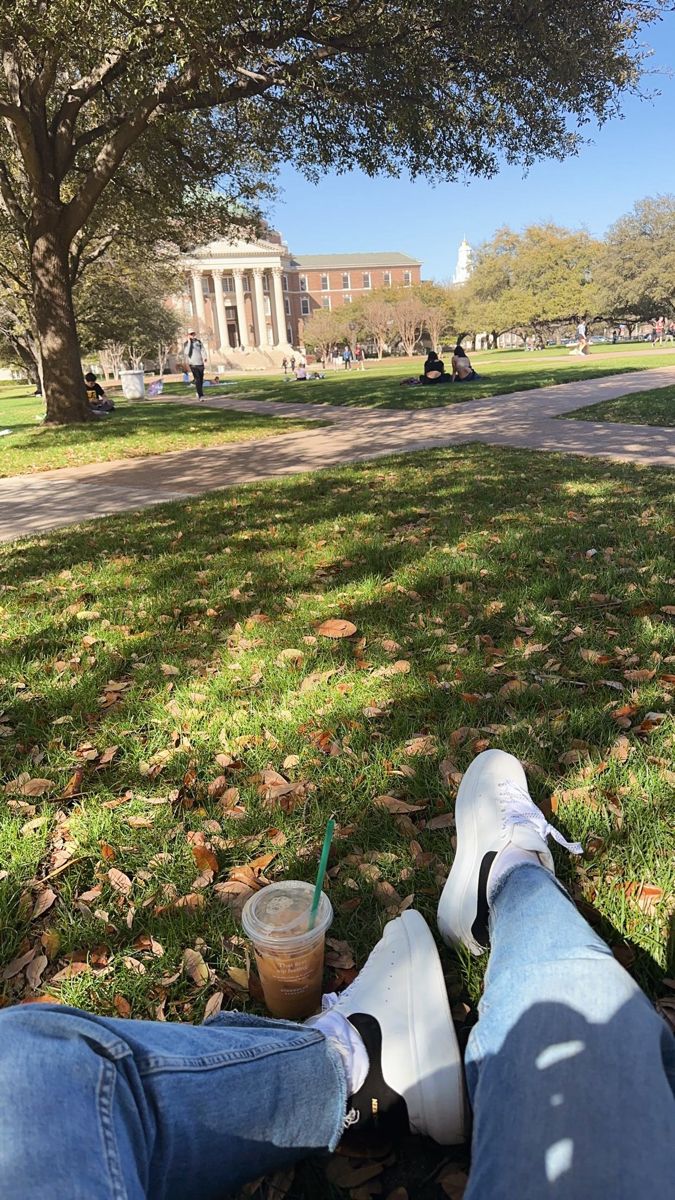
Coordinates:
[63,382]
[29,363]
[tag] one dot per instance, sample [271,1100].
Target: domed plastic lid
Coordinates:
[279,913]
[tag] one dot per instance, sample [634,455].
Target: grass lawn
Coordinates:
[133,431]
[378,386]
[655,407]
[173,724]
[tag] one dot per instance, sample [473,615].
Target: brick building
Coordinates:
[316,281]
[249,300]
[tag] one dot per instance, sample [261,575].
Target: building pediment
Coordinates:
[239,248]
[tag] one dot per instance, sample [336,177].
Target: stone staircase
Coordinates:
[252,359]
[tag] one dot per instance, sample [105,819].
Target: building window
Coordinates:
[325,283]
[407,279]
[267,305]
[228,283]
[284,282]
[325,301]
[366,279]
[387,278]
[246,282]
[303,283]
[266,283]
[345,281]
[287,306]
[304,306]
[347,299]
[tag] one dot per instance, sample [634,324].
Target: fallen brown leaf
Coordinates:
[336,627]
[205,859]
[387,894]
[195,967]
[394,805]
[30,787]
[620,750]
[43,900]
[119,881]
[73,785]
[17,964]
[646,895]
[234,894]
[34,971]
[640,676]
[424,745]
[442,821]
[450,773]
[213,1005]
[511,688]
[73,968]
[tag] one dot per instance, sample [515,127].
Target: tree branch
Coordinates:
[9,199]
[79,261]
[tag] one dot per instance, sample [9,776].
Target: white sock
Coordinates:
[347,1041]
[506,860]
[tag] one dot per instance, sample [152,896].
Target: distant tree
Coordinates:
[636,274]
[124,300]
[409,314]
[532,282]
[440,305]
[324,329]
[377,319]
[162,353]
[173,97]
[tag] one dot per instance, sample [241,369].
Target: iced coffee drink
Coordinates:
[289,954]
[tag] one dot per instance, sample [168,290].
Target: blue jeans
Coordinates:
[568,1072]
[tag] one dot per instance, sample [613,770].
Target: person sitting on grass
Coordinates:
[462,371]
[434,370]
[99,403]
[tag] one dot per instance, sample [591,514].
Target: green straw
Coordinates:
[323,863]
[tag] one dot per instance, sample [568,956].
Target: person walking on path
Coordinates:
[582,339]
[659,331]
[347,358]
[360,357]
[195,357]
[570,1072]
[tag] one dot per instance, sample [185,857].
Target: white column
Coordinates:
[200,311]
[223,340]
[279,309]
[241,306]
[259,307]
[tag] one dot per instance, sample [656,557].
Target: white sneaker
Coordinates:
[399,1005]
[494,813]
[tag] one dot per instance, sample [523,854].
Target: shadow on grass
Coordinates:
[483,567]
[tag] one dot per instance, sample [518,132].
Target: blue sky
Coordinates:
[628,159]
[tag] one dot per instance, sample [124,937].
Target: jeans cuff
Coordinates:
[524,866]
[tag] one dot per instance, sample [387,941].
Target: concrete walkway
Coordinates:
[31,504]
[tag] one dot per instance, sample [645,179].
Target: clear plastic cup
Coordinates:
[289,954]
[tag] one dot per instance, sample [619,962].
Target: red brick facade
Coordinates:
[315,282]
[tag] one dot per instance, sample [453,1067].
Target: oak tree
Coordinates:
[88,87]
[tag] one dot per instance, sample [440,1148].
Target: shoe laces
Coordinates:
[518,808]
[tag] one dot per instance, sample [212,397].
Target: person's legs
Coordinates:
[104,1109]
[198,376]
[96,1108]
[568,1068]
[570,1071]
